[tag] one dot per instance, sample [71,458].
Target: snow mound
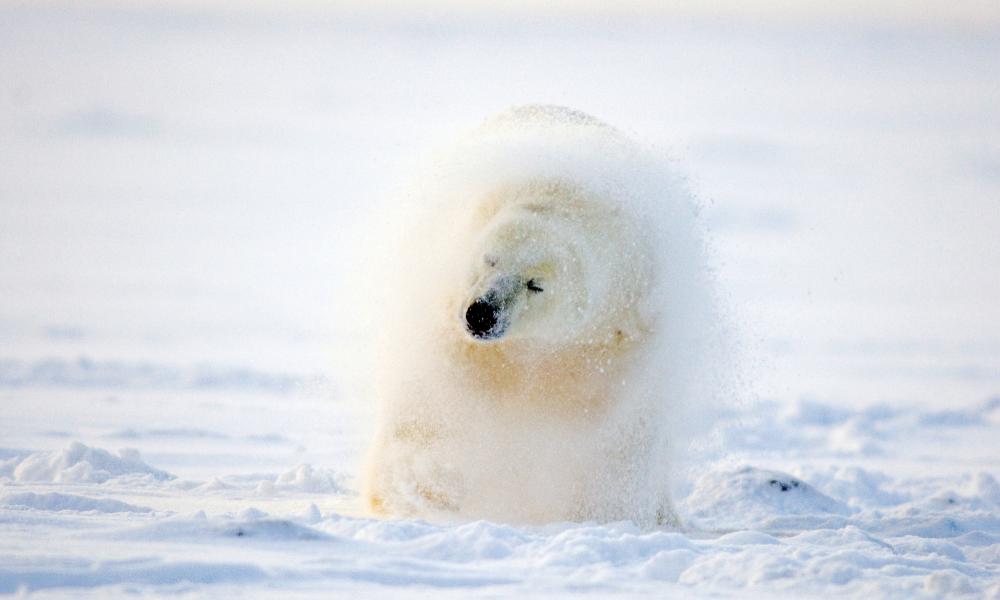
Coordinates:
[754,498]
[304,478]
[79,464]
[59,502]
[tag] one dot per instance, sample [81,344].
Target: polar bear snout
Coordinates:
[482,319]
[488,316]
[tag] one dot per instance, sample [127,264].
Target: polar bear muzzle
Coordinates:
[488,316]
[483,319]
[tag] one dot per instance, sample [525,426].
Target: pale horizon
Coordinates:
[926,14]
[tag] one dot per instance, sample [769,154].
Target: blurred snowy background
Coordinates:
[187,191]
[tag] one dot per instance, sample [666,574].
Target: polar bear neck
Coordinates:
[523,375]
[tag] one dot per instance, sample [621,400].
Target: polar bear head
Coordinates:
[553,265]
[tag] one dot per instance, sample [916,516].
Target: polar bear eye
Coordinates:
[533,286]
[490,261]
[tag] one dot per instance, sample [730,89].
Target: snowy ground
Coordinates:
[185,200]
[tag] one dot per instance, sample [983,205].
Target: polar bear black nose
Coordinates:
[481,318]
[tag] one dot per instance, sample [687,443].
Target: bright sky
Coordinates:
[967,14]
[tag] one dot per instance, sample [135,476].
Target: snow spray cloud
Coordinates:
[550,343]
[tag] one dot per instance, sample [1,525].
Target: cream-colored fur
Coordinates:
[552,420]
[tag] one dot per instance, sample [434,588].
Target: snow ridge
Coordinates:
[79,463]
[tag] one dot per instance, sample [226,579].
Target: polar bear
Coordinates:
[540,330]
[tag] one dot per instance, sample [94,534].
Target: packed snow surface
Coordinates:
[185,207]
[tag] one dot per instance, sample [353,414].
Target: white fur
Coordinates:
[573,413]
